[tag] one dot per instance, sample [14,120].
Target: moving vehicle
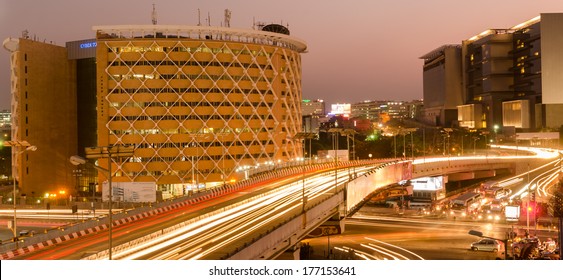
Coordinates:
[486,244]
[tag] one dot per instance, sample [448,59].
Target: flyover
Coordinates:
[318,197]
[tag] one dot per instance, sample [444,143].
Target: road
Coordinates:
[414,238]
[262,210]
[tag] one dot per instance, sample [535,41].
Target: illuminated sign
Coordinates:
[341,109]
[428,183]
[88,45]
[512,212]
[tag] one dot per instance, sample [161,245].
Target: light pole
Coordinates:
[447,137]
[28,147]
[335,132]
[108,152]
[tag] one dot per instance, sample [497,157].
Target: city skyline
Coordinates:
[374,54]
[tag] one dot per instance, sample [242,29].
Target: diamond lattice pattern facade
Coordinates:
[196,102]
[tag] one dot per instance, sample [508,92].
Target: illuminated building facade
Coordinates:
[43,112]
[197,102]
[510,77]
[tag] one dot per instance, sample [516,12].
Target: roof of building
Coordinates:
[199,33]
[439,50]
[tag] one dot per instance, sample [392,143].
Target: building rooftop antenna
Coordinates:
[198,17]
[154,21]
[227,18]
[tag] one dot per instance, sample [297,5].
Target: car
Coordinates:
[25,233]
[486,244]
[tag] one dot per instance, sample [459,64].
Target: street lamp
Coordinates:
[335,132]
[28,147]
[108,152]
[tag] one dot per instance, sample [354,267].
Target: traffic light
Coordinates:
[533,196]
[74,209]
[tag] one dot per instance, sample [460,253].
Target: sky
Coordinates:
[357,49]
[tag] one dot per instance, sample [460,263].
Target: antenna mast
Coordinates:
[227,18]
[198,17]
[153,14]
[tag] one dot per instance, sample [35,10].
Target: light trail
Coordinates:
[394,246]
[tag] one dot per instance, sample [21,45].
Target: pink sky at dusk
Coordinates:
[357,50]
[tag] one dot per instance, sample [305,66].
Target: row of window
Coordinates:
[200,158]
[143,49]
[190,117]
[180,130]
[191,104]
[203,144]
[181,76]
[191,89]
[184,63]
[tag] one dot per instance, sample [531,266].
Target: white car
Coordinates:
[486,244]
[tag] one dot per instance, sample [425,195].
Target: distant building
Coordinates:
[313,107]
[368,109]
[510,78]
[442,86]
[398,110]
[5,118]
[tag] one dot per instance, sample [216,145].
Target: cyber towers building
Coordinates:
[197,102]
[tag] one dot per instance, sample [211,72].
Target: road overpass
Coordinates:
[318,196]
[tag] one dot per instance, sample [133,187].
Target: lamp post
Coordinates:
[28,147]
[335,134]
[447,137]
[108,152]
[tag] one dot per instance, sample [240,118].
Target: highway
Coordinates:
[382,237]
[213,229]
[205,236]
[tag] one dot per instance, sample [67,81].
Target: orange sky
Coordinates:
[358,49]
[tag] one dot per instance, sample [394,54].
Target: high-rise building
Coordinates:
[442,86]
[487,75]
[197,102]
[43,111]
[510,77]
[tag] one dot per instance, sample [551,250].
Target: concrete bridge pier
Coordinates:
[292,253]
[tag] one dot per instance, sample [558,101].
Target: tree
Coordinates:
[556,210]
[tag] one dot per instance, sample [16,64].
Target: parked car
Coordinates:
[486,244]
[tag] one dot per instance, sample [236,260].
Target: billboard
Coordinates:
[428,183]
[512,212]
[341,109]
[130,191]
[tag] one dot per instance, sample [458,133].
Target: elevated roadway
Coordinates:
[270,222]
